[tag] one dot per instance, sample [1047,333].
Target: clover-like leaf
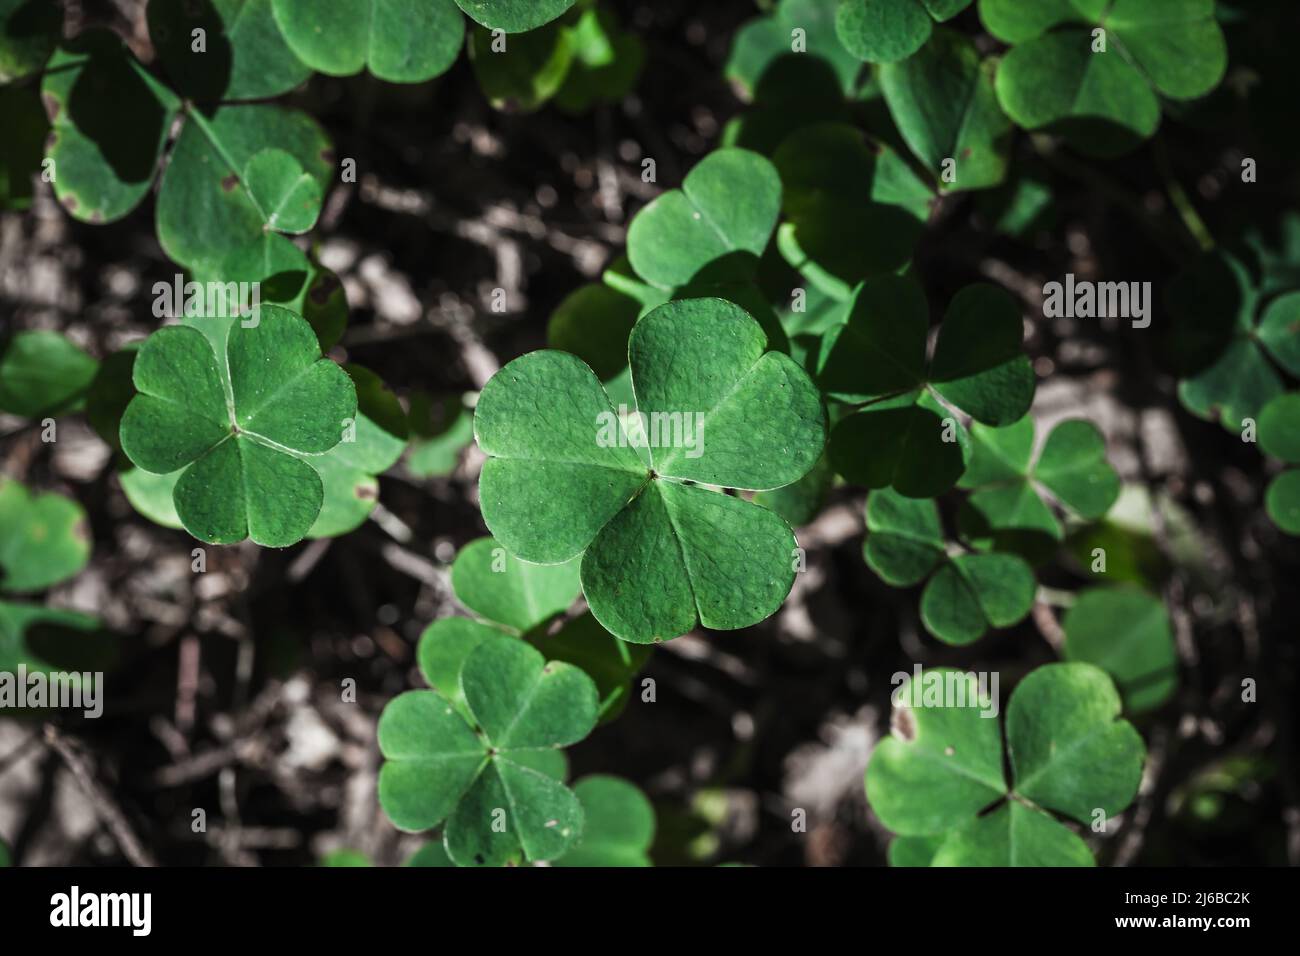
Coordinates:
[566,475]
[109,119]
[940,776]
[493,583]
[854,208]
[943,102]
[886,31]
[966,594]
[205,209]
[44,538]
[348,470]
[43,373]
[715,227]
[236,408]
[399,41]
[1226,330]
[243,57]
[905,437]
[1010,486]
[1125,631]
[619,824]
[514,16]
[480,776]
[975,592]
[6,858]
[761,42]
[1105,98]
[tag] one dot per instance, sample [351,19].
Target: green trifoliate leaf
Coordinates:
[288,198]
[109,120]
[43,373]
[944,105]
[45,639]
[1223,340]
[1099,76]
[480,777]
[370,447]
[765,40]
[1072,469]
[26,127]
[1069,749]
[566,473]
[966,595]
[904,540]
[609,662]
[975,592]
[885,31]
[1125,631]
[714,228]
[6,859]
[29,29]
[240,54]
[619,824]
[940,775]
[238,428]
[520,73]
[44,538]
[205,209]
[514,16]
[498,586]
[399,41]
[854,209]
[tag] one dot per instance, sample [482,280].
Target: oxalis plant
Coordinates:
[770,356]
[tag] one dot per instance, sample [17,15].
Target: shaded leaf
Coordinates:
[43,373]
